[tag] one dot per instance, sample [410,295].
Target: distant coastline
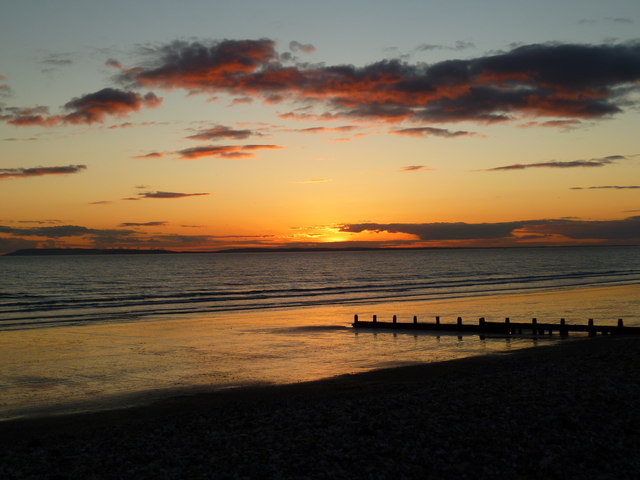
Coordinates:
[28,252]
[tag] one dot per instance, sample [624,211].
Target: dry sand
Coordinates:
[567,411]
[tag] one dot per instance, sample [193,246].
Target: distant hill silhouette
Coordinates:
[25,252]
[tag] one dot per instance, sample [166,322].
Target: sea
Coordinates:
[89,332]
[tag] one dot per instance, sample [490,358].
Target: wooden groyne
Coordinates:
[506,327]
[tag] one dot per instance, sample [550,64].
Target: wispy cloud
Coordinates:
[40,171]
[562,124]
[609,187]
[221,132]
[414,168]
[457,46]
[225,151]
[132,124]
[57,60]
[150,155]
[165,195]
[301,47]
[594,162]
[342,129]
[143,224]
[315,180]
[431,131]
[40,222]
[5,89]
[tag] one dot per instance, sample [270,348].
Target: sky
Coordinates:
[205,125]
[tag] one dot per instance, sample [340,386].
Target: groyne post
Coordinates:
[563,328]
[509,328]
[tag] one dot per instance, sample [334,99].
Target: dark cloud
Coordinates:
[414,168]
[11,244]
[626,229]
[113,63]
[440,231]
[40,171]
[225,151]
[41,222]
[159,194]
[300,47]
[342,129]
[144,224]
[220,131]
[150,155]
[62,231]
[565,124]
[201,66]
[609,187]
[87,109]
[563,81]
[594,162]
[431,131]
[457,46]
[93,107]
[624,20]
[241,101]
[131,124]
[57,60]
[607,230]
[29,116]
[64,235]
[5,90]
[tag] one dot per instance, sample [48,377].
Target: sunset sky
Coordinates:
[203,125]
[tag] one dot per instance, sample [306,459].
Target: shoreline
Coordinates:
[558,411]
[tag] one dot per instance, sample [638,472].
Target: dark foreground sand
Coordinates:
[568,411]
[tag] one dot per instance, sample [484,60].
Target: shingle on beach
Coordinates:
[565,411]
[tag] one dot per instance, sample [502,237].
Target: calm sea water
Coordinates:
[56,290]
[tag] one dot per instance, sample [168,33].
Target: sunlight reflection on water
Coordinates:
[86,364]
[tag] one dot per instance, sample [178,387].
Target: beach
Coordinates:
[560,411]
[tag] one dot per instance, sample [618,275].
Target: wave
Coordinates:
[41,310]
[63,291]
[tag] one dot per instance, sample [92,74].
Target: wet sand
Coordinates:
[561,411]
[92,366]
